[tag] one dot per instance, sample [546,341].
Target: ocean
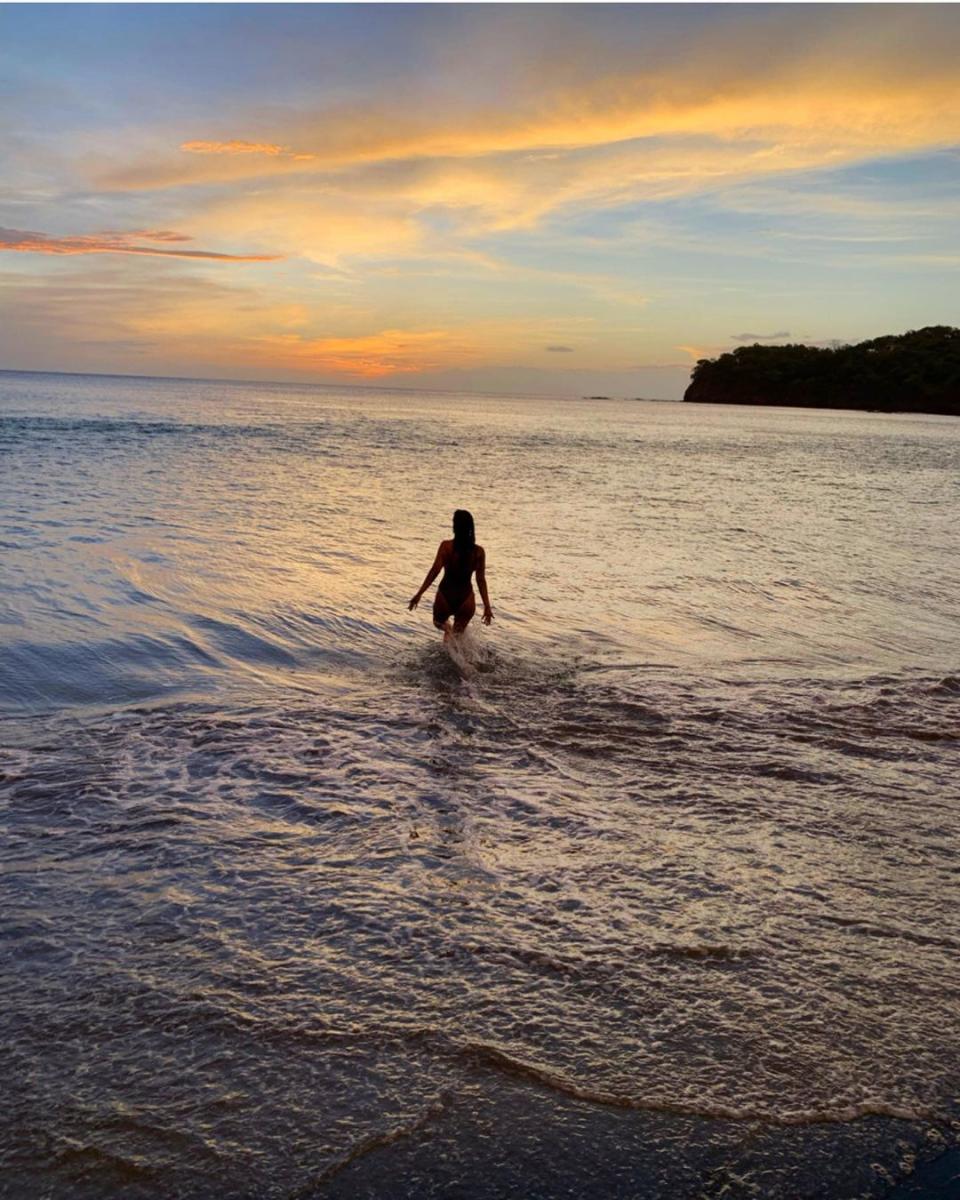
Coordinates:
[651,894]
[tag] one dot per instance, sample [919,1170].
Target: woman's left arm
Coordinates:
[482,585]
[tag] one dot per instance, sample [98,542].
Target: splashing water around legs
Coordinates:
[466,653]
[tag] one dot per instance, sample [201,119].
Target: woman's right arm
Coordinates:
[431,576]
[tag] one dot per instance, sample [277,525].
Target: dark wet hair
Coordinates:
[463,536]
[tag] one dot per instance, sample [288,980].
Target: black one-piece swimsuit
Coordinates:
[455,584]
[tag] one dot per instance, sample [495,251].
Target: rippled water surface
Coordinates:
[656,898]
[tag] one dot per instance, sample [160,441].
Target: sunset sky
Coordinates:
[540,198]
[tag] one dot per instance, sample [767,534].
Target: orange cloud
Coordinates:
[777,92]
[149,235]
[25,241]
[363,180]
[367,356]
[235,147]
[779,119]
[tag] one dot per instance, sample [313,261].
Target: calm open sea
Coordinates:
[658,902]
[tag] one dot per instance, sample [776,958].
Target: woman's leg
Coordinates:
[465,613]
[441,611]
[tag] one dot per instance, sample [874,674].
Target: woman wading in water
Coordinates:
[458,558]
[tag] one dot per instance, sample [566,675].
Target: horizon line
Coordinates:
[347,386]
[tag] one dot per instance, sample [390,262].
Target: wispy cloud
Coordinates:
[235,147]
[559,349]
[148,235]
[760,337]
[730,105]
[26,241]
[773,110]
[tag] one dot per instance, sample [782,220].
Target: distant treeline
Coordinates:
[909,372]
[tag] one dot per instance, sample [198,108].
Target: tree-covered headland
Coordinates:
[917,371]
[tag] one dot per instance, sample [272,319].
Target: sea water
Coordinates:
[662,902]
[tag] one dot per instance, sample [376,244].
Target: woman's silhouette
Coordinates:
[458,558]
